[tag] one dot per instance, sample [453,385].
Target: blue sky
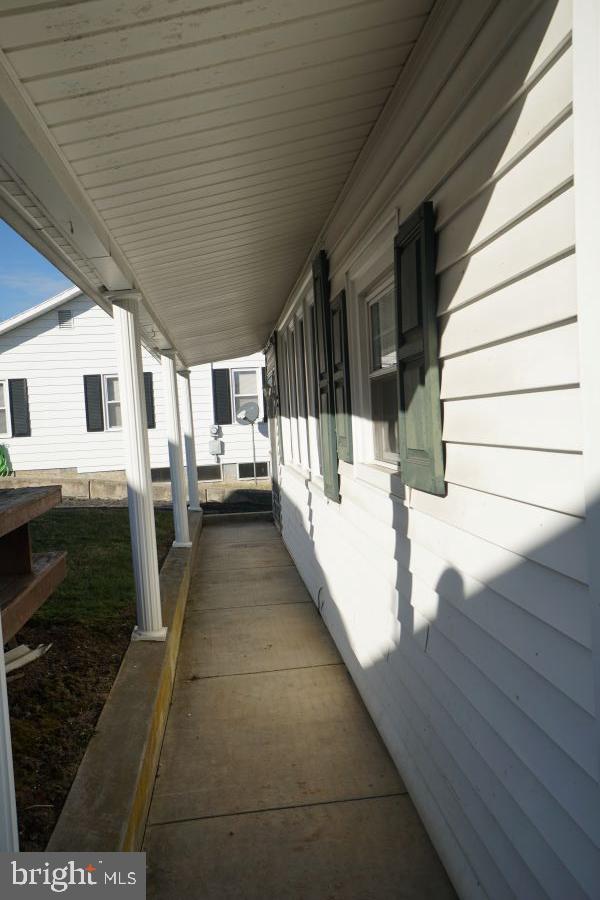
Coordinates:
[26,278]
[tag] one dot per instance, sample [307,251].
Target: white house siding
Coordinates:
[465,619]
[54,361]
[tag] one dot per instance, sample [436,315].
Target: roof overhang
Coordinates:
[193,154]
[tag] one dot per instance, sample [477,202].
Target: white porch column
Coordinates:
[182,533]
[9,832]
[189,442]
[137,466]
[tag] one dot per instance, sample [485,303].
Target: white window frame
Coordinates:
[6,408]
[257,395]
[292,388]
[372,297]
[310,350]
[259,462]
[107,402]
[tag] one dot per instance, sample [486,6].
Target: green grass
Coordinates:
[99,585]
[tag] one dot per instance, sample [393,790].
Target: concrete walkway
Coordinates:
[273,782]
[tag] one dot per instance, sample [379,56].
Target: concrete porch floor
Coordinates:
[273,782]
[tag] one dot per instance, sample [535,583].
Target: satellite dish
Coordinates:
[248,413]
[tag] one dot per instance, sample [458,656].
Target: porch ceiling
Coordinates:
[201,143]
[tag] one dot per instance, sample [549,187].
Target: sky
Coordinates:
[26,277]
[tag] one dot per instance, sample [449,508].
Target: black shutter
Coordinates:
[329,457]
[419,419]
[19,407]
[94,414]
[149,395]
[263,372]
[221,396]
[341,377]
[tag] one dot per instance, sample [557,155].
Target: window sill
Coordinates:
[383,477]
[299,470]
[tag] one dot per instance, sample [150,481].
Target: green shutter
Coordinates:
[273,416]
[341,377]
[420,420]
[329,457]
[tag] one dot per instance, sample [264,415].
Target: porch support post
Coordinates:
[182,533]
[9,832]
[137,466]
[190,442]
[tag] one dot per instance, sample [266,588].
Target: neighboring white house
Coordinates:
[59,397]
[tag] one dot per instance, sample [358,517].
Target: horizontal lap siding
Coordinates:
[54,360]
[465,620]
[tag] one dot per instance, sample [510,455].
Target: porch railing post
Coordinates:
[180,518]
[137,466]
[9,832]
[189,441]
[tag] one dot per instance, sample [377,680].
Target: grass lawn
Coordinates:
[56,700]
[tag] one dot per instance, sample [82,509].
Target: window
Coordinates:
[245,389]
[301,392]
[205,473]
[65,318]
[315,431]
[103,402]
[112,402]
[4,413]
[14,408]
[246,470]
[383,376]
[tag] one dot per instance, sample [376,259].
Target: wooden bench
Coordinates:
[26,579]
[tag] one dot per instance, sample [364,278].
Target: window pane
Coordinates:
[3,428]
[2,398]
[375,338]
[244,382]
[383,333]
[241,401]
[384,404]
[112,389]
[114,415]
[388,330]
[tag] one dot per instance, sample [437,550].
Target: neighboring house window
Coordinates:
[103,402]
[112,400]
[14,408]
[383,376]
[231,389]
[4,413]
[246,470]
[245,389]
[65,318]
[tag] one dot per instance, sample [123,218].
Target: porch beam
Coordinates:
[180,519]
[189,441]
[149,625]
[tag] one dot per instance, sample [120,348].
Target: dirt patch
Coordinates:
[55,704]
[56,700]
